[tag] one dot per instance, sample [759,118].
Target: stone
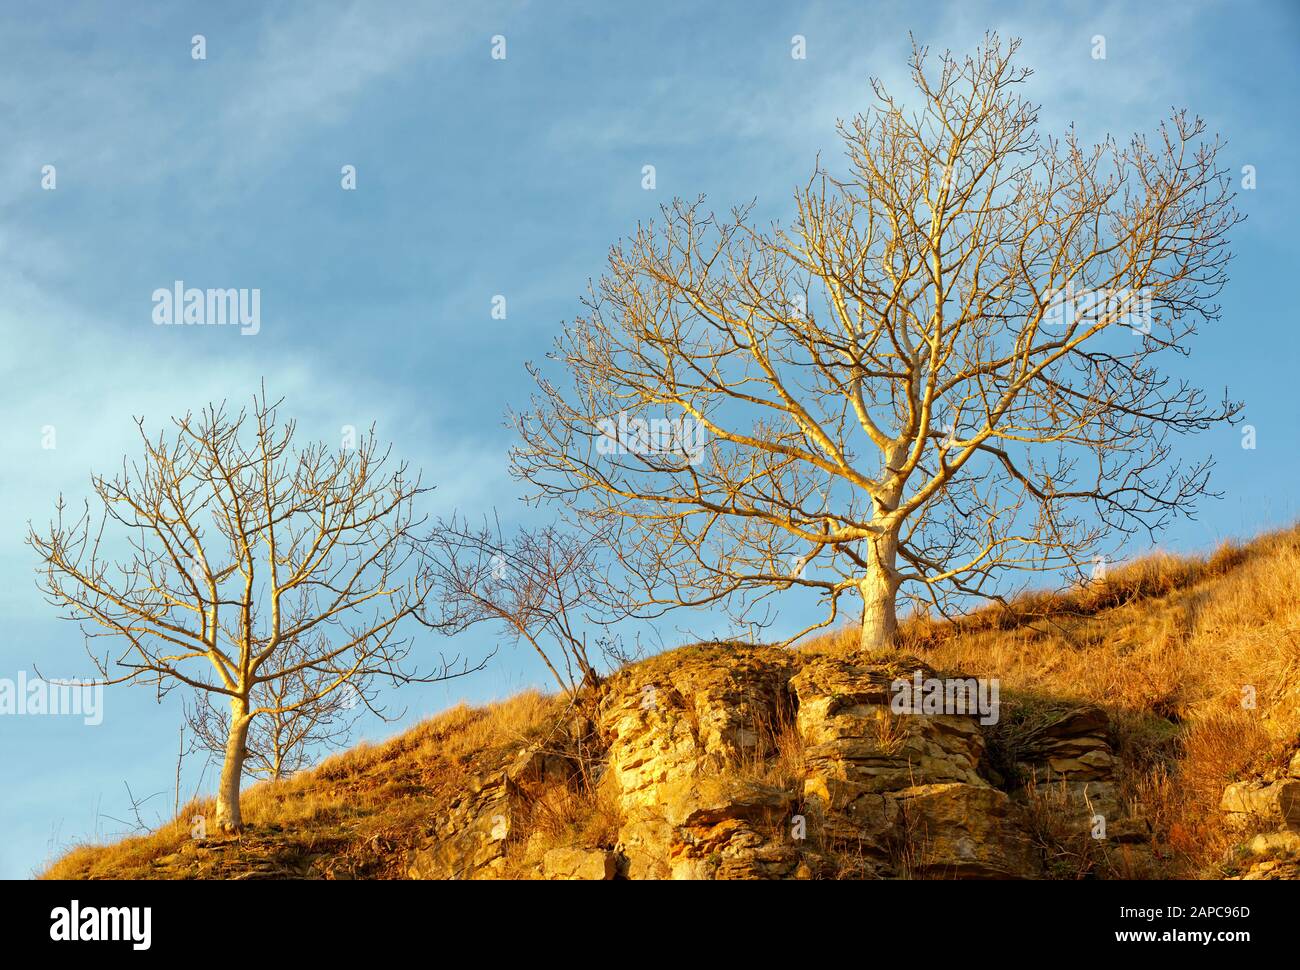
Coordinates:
[961,831]
[534,765]
[663,720]
[1279,801]
[852,734]
[1072,745]
[1281,842]
[692,747]
[471,842]
[858,751]
[577,863]
[728,828]
[677,732]
[1272,870]
[704,802]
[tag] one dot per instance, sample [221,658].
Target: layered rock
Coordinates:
[960,831]
[472,840]
[470,843]
[1277,802]
[739,762]
[886,791]
[902,789]
[678,731]
[1071,745]
[1065,760]
[678,715]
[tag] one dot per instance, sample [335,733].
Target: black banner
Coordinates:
[138,920]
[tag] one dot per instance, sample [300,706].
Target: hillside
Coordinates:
[1162,703]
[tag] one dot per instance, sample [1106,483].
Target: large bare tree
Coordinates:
[227,560]
[947,366]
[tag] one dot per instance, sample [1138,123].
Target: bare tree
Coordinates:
[537,584]
[946,367]
[300,718]
[237,551]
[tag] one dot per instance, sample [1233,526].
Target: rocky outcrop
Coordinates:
[885,792]
[727,828]
[1273,869]
[856,744]
[1277,802]
[739,762]
[678,728]
[1060,759]
[679,715]
[472,840]
[1070,745]
[960,831]
[900,789]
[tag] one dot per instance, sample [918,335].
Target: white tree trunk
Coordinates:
[232,769]
[879,589]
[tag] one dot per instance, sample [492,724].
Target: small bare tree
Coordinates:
[298,720]
[947,367]
[266,576]
[537,584]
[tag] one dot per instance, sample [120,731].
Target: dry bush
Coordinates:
[114,859]
[1183,802]
[1056,825]
[583,812]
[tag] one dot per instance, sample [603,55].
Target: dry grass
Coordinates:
[348,815]
[584,813]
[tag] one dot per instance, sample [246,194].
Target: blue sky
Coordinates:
[478,177]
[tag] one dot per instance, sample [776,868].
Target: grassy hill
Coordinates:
[1182,675]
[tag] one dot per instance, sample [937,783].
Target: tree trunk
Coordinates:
[879,588]
[232,769]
